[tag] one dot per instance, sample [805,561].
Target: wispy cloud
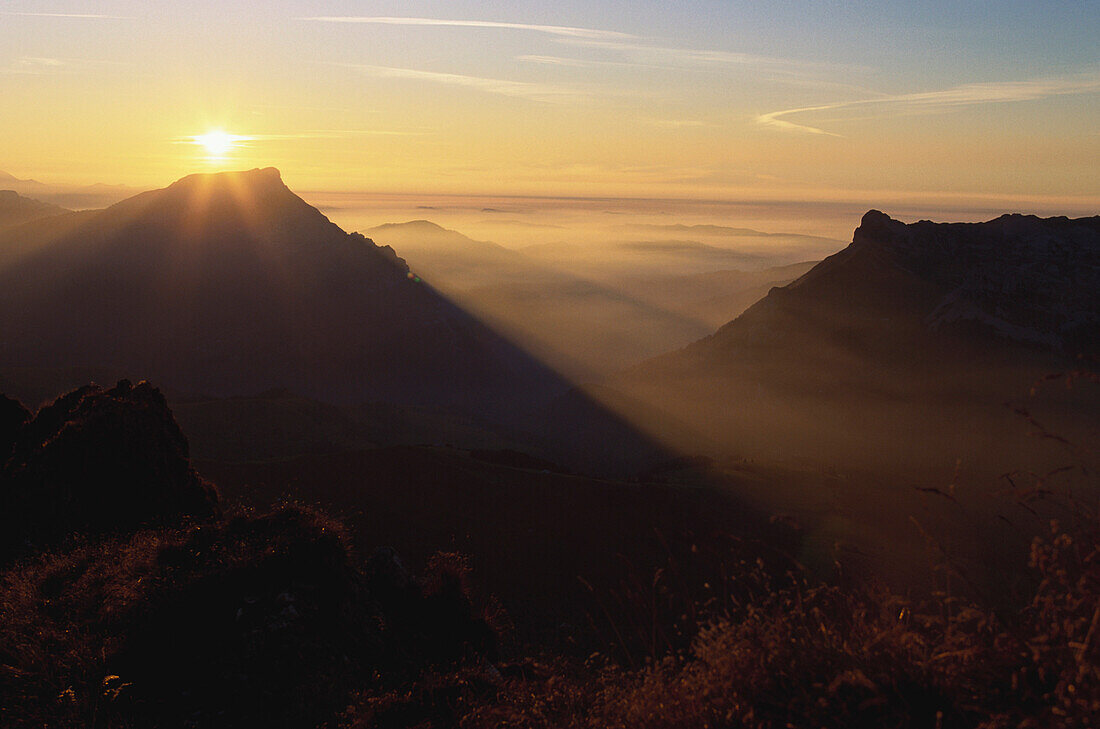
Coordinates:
[998,92]
[586,63]
[39,61]
[38,65]
[85,16]
[637,51]
[503,87]
[558,30]
[775,119]
[556,61]
[678,57]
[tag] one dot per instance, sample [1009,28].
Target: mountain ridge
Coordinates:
[905,344]
[229,283]
[16,209]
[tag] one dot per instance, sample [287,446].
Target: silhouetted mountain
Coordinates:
[16,209]
[1014,280]
[68,196]
[231,284]
[912,331]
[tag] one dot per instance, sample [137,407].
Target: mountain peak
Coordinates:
[269,177]
[256,201]
[877,225]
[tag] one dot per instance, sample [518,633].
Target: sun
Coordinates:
[217,143]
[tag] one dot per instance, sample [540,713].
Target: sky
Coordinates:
[983,103]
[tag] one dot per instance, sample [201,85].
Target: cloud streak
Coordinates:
[645,53]
[556,30]
[964,95]
[502,87]
[673,57]
[40,66]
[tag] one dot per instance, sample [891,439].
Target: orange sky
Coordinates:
[717,100]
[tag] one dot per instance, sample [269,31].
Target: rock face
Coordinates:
[98,461]
[231,284]
[1024,278]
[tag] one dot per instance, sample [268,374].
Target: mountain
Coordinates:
[16,209]
[904,346]
[1016,280]
[449,259]
[229,283]
[68,196]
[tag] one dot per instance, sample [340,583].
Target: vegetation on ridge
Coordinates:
[273,619]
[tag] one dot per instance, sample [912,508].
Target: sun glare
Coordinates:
[218,143]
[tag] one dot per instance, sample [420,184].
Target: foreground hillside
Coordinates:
[175,607]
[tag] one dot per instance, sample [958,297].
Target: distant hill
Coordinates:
[449,259]
[76,197]
[634,303]
[16,209]
[229,284]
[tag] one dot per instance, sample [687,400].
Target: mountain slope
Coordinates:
[1018,281]
[16,209]
[909,340]
[231,284]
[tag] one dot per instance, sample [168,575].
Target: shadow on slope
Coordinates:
[230,284]
[617,304]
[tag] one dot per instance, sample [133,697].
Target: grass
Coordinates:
[273,619]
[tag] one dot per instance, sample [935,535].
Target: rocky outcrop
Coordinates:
[98,461]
